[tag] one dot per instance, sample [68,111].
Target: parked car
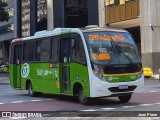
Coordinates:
[4,68]
[1,68]
[147,72]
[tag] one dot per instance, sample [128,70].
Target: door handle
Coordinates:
[69,60]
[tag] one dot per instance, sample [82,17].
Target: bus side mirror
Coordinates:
[73,43]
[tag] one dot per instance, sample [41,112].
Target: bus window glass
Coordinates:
[127,47]
[111,48]
[28,53]
[78,53]
[38,51]
[17,55]
[100,47]
[45,50]
[55,52]
[42,50]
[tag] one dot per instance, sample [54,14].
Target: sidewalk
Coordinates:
[155,76]
[4,78]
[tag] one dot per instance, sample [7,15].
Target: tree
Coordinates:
[4,16]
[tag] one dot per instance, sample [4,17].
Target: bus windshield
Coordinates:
[111,48]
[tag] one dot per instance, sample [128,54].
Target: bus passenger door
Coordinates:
[17,63]
[65,61]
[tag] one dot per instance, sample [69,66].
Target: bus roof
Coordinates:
[101,29]
[61,31]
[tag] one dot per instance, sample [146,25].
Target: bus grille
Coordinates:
[122,69]
[116,89]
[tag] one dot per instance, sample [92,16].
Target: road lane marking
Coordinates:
[107,108]
[128,106]
[9,91]
[36,100]
[157,103]
[26,101]
[18,101]
[145,104]
[98,109]
[49,99]
[153,91]
[125,107]
[90,110]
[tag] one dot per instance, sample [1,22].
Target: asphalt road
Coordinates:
[18,100]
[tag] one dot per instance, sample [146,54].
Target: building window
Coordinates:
[122,2]
[11,27]
[6,1]
[11,12]
[116,2]
[6,28]
[25,18]
[41,15]
[109,2]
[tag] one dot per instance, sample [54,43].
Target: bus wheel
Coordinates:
[125,98]
[82,99]
[30,91]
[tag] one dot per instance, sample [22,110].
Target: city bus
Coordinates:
[87,63]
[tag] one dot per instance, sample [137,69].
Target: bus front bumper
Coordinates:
[102,89]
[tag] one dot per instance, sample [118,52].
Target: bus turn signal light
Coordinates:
[50,65]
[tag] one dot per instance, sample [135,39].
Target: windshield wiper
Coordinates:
[119,50]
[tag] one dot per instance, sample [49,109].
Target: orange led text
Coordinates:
[101,56]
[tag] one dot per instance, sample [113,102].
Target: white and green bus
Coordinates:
[89,62]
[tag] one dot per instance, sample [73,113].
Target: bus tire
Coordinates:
[125,98]
[82,99]
[30,90]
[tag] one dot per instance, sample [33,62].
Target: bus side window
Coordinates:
[42,50]
[38,51]
[78,53]
[28,51]
[13,55]
[45,50]
[55,51]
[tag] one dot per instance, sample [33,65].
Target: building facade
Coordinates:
[30,16]
[7,32]
[37,15]
[124,14]
[139,17]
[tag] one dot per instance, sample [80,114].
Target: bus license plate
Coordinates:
[123,87]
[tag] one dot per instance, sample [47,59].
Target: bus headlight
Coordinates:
[140,74]
[99,75]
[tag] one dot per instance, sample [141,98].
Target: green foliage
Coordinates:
[4,16]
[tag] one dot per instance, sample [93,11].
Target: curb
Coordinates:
[155,76]
[4,78]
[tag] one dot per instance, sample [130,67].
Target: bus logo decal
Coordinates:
[110,78]
[25,70]
[77,77]
[39,72]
